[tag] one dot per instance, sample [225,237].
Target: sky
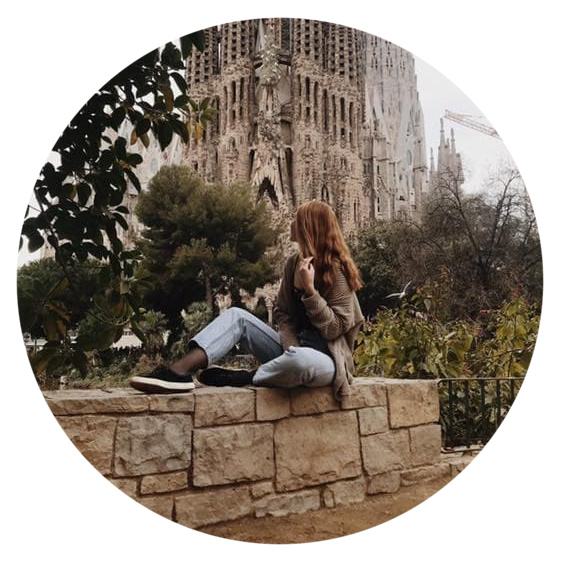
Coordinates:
[479,152]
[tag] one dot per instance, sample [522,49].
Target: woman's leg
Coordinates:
[297,366]
[231,327]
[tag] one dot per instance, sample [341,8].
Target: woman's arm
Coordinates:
[332,314]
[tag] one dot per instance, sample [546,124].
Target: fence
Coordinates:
[472,409]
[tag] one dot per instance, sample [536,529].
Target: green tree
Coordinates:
[153,325]
[204,239]
[376,258]
[80,197]
[37,279]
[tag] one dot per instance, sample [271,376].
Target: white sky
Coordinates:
[479,152]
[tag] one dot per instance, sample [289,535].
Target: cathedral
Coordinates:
[311,110]
[306,110]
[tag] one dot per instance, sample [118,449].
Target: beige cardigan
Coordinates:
[336,314]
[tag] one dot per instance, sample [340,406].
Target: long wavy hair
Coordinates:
[319,235]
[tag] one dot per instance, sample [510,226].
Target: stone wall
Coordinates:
[218,454]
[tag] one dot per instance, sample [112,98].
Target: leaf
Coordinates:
[134,159]
[181,101]
[35,241]
[165,134]
[117,117]
[181,83]
[145,139]
[143,126]
[168,96]
[133,179]
[40,360]
[121,220]
[84,191]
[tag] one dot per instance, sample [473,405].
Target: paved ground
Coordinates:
[327,523]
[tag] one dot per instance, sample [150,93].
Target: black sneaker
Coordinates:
[163,380]
[219,376]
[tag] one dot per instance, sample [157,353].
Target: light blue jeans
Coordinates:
[296,366]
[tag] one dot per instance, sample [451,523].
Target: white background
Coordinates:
[504,56]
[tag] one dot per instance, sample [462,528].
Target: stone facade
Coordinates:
[221,454]
[310,109]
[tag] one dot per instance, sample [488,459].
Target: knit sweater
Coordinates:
[336,314]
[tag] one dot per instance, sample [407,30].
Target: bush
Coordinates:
[413,342]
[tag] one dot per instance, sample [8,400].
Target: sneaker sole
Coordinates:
[147,384]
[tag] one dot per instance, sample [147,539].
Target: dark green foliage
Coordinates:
[80,196]
[40,279]
[202,240]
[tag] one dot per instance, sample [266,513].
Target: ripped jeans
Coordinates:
[296,366]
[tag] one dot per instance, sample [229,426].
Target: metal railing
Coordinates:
[472,409]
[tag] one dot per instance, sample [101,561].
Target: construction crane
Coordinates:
[470,121]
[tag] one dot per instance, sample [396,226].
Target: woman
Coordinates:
[317,314]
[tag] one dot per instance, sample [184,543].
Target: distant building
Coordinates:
[449,169]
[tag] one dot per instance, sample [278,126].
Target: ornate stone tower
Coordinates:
[449,164]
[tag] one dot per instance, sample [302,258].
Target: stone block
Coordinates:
[425,444]
[204,508]
[412,402]
[162,505]
[386,483]
[93,436]
[373,420]
[272,404]
[316,449]
[385,452]
[159,483]
[425,474]
[128,486]
[344,493]
[458,465]
[312,400]
[226,405]
[285,504]
[365,392]
[225,455]
[262,489]
[96,401]
[152,444]
[184,402]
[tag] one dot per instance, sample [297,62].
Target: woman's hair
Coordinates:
[319,235]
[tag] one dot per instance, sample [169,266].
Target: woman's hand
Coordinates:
[306,273]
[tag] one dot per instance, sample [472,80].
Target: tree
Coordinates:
[476,248]
[488,241]
[375,256]
[37,279]
[153,325]
[203,239]
[80,197]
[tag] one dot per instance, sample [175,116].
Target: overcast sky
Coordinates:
[479,152]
